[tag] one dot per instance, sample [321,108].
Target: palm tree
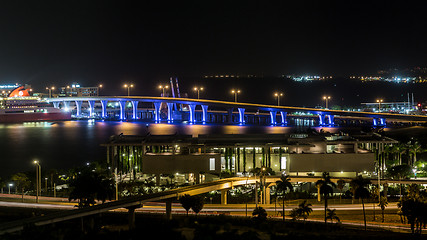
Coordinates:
[413,150]
[259,213]
[326,187]
[304,209]
[332,215]
[282,185]
[22,182]
[374,193]
[361,191]
[399,149]
[186,201]
[197,205]
[383,203]
[340,186]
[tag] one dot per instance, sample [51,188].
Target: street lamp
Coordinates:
[128,86]
[278,95]
[235,92]
[38,178]
[326,98]
[10,185]
[163,87]
[99,89]
[49,89]
[379,101]
[198,91]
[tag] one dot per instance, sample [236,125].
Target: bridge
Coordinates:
[133,203]
[275,115]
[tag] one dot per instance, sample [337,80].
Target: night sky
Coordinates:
[91,42]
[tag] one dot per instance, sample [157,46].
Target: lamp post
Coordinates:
[99,89]
[128,86]
[235,92]
[10,185]
[163,87]
[379,101]
[38,178]
[278,95]
[49,89]
[198,91]
[326,98]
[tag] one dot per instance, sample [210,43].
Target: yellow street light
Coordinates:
[235,92]
[128,86]
[278,95]
[163,87]
[379,101]
[326,98]
[198,91]
[38,179]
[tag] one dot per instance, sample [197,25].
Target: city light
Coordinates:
[326,98]
[128,86]
[198,89]
[379,101]
[278,95]
[235,92]
[163,87]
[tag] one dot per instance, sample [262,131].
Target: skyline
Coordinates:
[112,42]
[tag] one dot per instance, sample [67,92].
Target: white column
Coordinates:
[134,109]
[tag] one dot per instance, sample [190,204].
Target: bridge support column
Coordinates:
[122,110]
[230,115]
[157,179]
[205,112]
[91,108]
[321,119]
[283,115]
[241,115]
[66,106]
[134,109]
[170,111]
[169,209]
[273,117]
[379,122]
[157,111]
[104,108]
[131,216]
[56,104]
[330,119]
[192,117]
[79,108]
[224,196]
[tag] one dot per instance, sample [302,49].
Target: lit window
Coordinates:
[283,163]
[211,164]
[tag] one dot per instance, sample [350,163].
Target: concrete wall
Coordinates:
[171,164]
[349,162]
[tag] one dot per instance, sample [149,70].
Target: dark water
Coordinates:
[62,145]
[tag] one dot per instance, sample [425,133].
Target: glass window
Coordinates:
[211,164]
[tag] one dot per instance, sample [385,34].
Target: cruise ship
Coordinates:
[19,106]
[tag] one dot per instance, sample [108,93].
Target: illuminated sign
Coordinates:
[8,86]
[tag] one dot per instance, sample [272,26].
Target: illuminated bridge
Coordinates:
[214,111]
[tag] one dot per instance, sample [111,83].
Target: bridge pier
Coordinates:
[79,108]
[169,209]
[131,216]
[241,115]
[104,108]
[134,109]
[224,196]
[230,115]
[91,108]
[321,119]
[205,112]
[267,195]
[330,119]
[273,117]
[56,104]
[379,122]
[170,111]
[67,106]
[122,110]
[157,111]
[283,115]
[192,116]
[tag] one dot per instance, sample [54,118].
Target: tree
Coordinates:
[332,215]
[374,194]
[361,191]
[383,204]
[304,209]
[399,149]
[282,185]
[22,182]
[197,204]
[340,186]
[89,186]
[186,202]
[259,213]
[326,187]
[413,150]
[400,172]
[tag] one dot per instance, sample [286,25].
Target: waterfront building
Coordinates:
[75,90]
[208,157]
